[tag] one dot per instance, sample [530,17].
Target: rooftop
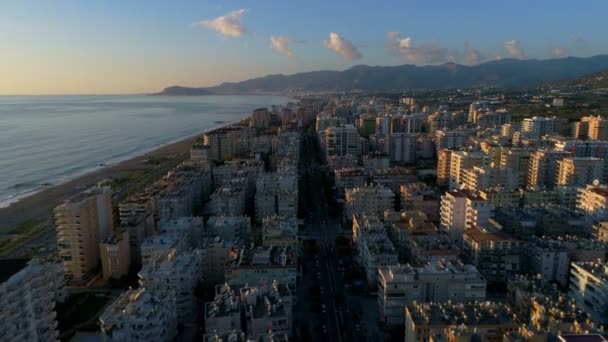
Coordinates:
[471,313]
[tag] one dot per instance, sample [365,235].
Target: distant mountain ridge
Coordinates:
[508,73]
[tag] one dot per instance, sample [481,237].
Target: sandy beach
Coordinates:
[39,206]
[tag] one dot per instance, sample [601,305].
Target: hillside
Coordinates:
[508,73]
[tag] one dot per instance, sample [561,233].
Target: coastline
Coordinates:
[38,205]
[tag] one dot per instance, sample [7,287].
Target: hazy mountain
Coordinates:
[500,73]
[594,81]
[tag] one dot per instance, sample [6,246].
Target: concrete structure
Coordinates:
[589,288]
[81,223]
[223,314]
[229,228]
[419,196]
[484,178]
[539,126]
[579,171]
[444,162]
[116,255]
[276,194]
[461,160]
[461,210]
[543,167]
[260,118]
[600,231]
[488,321]
[250,265]
[369,200]
[496,255]
[424,249]
[349,178]
[450,139]
[402,147]
[140,315]
[217,254]
[280,231]
[593,201]
[230,199]
[267,307]
[178,274]
[341,140]
[27,301]
[591,128]
[373,247]
[401,285]
[223,142]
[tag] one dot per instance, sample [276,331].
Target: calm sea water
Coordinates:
[50,139]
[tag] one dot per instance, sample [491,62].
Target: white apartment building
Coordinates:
[592,128]
[81,223]
[586,148]
[373,199]
[461,160]
[341,140]
[140,315]
[373,247]
[230,199]
[450,139]
[250,265]
[484,178]
[442,281]
[463,209]
[27,301]
[589,288]
[179,274]
[267,307]
[276,194]
[229,228]
[579,171]
[402,147]
[223,314]
[539,126]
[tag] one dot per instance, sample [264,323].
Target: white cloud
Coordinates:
[280,44]
[558,51]
[429,53]
[228,25]
[342,47]
[514,49]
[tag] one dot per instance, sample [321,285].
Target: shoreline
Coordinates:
[38,205]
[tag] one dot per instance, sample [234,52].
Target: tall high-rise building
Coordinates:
[341,140]
[462,160]
[402,147]
[444,160]
[81,223]
[542,171]
[591,128]
[579,171]
[539,126]
[461,210]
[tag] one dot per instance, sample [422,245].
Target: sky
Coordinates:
[118,46]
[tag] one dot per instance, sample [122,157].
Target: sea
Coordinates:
[47,140]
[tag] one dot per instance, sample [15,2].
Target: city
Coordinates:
[347,217]
[272,171]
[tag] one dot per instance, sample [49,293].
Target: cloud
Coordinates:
[514,49]
[429,53]
[280,44]
[228,25]
[342,47]
[471,55]
[558,51]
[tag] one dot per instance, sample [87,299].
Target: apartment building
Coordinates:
[450,139]
[140,315]
[444,162]
[373,247]
[373,199]
[223,142]
[461,160]
[115,252]
[592,200]
[402,147]
[276,194]
[223,314]
[280,231]
[27,297]
[341,140]
[461,210]
[441,281]
[543,168]
[250,265]
[81,223]
[484,178]
[489,321]
[229,228]
[496,255]
[591,128]
[267,307]
[589,288]
[579,171]
[179,273]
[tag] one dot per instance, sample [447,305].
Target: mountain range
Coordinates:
[504,73]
